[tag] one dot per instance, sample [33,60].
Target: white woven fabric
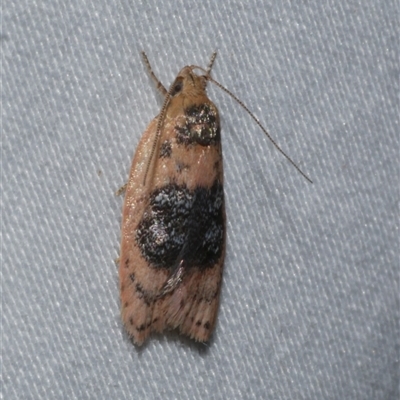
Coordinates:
[310,299]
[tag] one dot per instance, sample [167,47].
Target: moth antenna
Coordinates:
[160,122]
[158,83]
[208,77]
[210,64]
[161,116]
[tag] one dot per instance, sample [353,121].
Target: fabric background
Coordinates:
[310,297]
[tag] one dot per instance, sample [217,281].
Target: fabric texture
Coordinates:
[310,295]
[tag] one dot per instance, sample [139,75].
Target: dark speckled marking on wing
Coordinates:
[182,224]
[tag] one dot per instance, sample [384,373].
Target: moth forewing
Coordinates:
[173,225]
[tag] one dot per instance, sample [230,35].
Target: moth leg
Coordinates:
[121,190]
[159,85]
[174,279]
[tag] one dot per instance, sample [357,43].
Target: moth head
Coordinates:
[188,83]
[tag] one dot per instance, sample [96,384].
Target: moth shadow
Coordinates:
[201,348]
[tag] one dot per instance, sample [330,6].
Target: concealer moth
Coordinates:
[173,221]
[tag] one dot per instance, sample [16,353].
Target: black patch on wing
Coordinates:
[201,126]
[180,224]
[166,149]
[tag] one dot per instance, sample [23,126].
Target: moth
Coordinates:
[173,222]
